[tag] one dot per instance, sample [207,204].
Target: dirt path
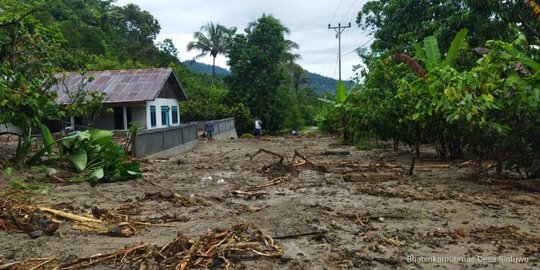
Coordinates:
[333,213]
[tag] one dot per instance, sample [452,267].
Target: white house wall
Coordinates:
[158,102]
[138,114]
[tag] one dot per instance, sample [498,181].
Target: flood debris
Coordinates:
[371,177]
[279,168]
[18,216]
[176,198]
[212,249]
[248,194]
[21,216]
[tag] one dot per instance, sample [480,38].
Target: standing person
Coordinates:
[258,127]
[209,129]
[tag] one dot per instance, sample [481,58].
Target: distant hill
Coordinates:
[204,68]
[321,84]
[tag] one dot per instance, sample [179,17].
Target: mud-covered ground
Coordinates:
[334,207]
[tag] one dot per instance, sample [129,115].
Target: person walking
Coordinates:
[258,127]
[209,130]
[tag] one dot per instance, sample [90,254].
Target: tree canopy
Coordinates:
[257,78]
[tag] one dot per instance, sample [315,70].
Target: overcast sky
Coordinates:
[306,19]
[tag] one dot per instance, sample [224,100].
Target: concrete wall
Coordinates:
[223,128]
[165,141]
[9,128]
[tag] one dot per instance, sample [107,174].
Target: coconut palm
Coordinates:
[212,39]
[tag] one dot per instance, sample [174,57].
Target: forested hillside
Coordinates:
[320,84]
[99,35]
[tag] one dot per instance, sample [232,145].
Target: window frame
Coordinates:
[174,115]
[153,116]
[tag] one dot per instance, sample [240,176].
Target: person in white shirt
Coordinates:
[258,127]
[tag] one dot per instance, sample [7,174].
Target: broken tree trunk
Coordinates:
[67,215]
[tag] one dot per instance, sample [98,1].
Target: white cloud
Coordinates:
[307,20]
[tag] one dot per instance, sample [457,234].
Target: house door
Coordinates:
[129,115]
[118,118]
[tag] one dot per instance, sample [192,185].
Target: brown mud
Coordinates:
[301,203]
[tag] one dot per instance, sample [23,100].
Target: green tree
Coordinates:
[415,20]
[135,31]
[212,39]
[257,78]
[168,54]
[29,54]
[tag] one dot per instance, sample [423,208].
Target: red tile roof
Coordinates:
[121,86]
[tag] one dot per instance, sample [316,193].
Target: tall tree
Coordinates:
[396,23]
[212,39]
[29,55]
[257,78]
[135,30]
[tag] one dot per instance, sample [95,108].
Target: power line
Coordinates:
[339,29]
[337,9]
[349,9]
[393,19]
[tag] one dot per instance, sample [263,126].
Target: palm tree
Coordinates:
[212,39]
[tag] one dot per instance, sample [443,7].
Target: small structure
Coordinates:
[149,97]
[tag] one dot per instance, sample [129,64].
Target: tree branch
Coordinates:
[28,13]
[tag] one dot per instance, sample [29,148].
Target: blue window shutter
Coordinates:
[153,119]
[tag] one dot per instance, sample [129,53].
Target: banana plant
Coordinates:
[430,54]
[339,104]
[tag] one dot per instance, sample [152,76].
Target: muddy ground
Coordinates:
[334,211]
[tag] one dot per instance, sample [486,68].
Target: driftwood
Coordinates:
[272,182]
[296,235]
[294,163]
[371,177]
[318,167]
[281,158]
[248,194]
[98,259]
[69,216]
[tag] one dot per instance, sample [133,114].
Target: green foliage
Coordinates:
[455,46]
[257,75]
[247,136]
[21,184]
[212,39]
[340,115]
[362,144]
[328,119]
[415,20]
[491,109]
[341,92]
[95,154]
[29,52]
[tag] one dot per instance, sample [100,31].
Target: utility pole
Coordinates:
[339,29]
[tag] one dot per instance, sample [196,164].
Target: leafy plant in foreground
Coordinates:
[94,153]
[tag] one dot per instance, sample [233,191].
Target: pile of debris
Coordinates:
[218,247]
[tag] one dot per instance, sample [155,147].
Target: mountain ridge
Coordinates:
[319,83]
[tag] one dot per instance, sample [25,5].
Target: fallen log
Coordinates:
[67,215]
[296,235]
